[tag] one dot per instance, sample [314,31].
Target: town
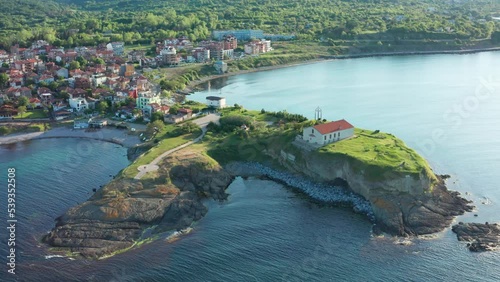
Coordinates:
[55,83]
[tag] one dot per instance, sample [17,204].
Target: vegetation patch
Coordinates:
[378,153]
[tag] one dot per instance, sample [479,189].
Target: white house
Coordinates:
[216,102]
[326,133]
[78,104]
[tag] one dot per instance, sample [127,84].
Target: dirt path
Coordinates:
[153,165]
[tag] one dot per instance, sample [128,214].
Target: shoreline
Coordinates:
[111,135]
[193,85]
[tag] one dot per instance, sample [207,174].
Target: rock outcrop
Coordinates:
[403,203]
[479,237]
[115,217]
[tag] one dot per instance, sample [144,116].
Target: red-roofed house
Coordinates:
[36,102]
[326,133]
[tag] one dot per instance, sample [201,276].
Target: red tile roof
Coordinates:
[333,126]
[185,111]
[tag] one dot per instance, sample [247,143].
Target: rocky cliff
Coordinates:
[403,203]
[115,217]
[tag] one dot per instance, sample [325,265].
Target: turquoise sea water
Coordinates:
[444,106]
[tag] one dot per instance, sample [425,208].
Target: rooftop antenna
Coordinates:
[318,114]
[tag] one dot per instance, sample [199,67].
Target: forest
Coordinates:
[79,22]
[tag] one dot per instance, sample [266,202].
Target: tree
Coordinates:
[102,107]
[81,60]
[156,116]
[22,101]
[74,65]
[21,110]
[165,94]
[174,109]
[190,127]
[154,126]
[4,130]
[99,61]
[4,78]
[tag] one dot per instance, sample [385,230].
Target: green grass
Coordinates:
[163,146]
[37,113]
[380,152]
[255,115]
[28,128]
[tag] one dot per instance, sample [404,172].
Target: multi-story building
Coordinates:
[26,65]
[144,98]
[201,54]
[216,49]
[78,104]
[169,56]
[240,34]
[230,42]
[257,47]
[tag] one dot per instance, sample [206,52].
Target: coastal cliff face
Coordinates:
[115,217]
[403,203]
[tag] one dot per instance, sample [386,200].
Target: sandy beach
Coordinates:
[116,136]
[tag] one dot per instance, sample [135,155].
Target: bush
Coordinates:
[4,130]
[229,123]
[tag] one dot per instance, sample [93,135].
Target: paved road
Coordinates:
[153,165]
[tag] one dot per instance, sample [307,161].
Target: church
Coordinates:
[326,133]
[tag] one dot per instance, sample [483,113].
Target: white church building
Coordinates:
[326,133]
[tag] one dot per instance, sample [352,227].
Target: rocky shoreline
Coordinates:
[479,237]
[397,214]
[324,193]
[114,219]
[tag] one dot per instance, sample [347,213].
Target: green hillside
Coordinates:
[79,22]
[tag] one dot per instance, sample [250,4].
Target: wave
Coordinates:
[54,256]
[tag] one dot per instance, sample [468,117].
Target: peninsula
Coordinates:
[374,172]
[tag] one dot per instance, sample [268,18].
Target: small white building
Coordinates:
[81,124]
[330,132]
[216,102]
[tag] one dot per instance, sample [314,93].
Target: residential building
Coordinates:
[136,56]
[26,65]
[169,56]
[62,72]
[117,47]
[127,70]
[7,111]
[216,49]
[99,79]
[257,47]
[201,54]
[182,115]
[230,42]
[326,133]
[144,98]
[78,104]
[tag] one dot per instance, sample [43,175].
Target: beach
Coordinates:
[117,136]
